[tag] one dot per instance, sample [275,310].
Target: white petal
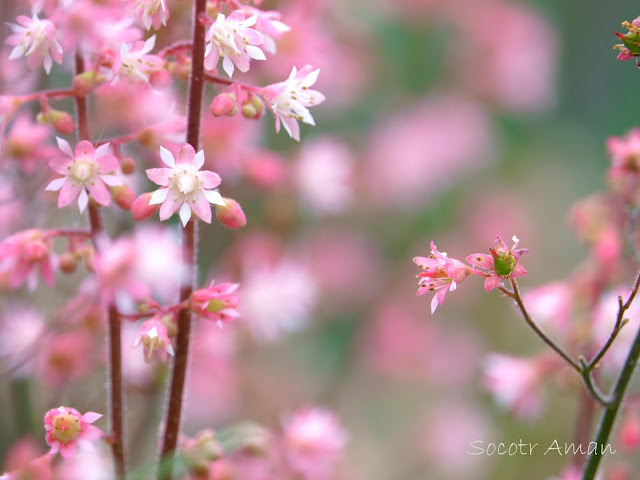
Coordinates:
[453,286]
[214,197]
[199,159]
[185,214]
[228,65]
[249,22]
[167,157]
[17,51]
[64,146]
[310,79]
[111,180]
[148,45]
[47,63]
[83,200]
[56,184]
[159,196]
[147,22]
[434,303]
[255,52]
[102,150]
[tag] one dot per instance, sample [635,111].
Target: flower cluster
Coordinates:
[442,274]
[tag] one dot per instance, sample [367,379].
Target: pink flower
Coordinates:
[66,357]
[84,171]
[313,441]
[501,264]
[66,429]
[288,100]
[36,40]
[232,39]
[26,143]
[516,382]
[22,252]
[184,187]
[441,274]
[154,336]
[625,152]
[134,65]
[217,302]
[151,12]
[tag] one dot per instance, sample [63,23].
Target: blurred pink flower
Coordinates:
[155,339]
[313,440]
[85,170]
[184,187]
[26,143]
[21,330]
[134,64]
[67,429]
[517,382]
[432,145]
[36,40]
[151,12]
[441,274]
[277,298]
[22,252]
[323,175]
[288,100]
[550,305]
[502,264]
[216,302]
[233,39]
[66,357]
[268,23]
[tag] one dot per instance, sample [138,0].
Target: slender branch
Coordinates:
[580,366]
[619,323]
[217,79]
[53,93]
[175,48]
[68,232]
[545,338]
[174,410]
[115,339]
[609,416]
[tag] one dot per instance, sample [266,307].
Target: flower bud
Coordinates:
[61,121]
[199,452]
[253,108]
[231,214]
[84,82]
[68,262]
[123,196]
[127,165]
[141,209]
[224,105]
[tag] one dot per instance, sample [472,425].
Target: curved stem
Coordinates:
[174,410]
[116,403]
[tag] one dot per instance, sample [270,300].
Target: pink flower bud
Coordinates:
[231,214]
[68,262]
[35,250]
[127,165]
[123,196]
[141,209]
[253,108]
[160,79]
[61,121]
[84,82]
[224,105]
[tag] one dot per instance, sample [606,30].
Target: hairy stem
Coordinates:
[116,403]
[174,410]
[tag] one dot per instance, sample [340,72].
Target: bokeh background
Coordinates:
[450,121]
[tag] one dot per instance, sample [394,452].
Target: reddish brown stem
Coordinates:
[115,340]
[174,410]
[54,93]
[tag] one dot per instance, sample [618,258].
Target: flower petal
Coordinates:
[167,157]
[214,197]
[159,176]
[201,207]
[56,184]
[64,146]
[185,214]
[159,196]
[209,179]
[83,200]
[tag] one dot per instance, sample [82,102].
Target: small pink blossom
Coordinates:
[85,170]
[66,357]
[502,264]
[288,100]
[36,40]
[134,64]
[217,302]
[66,429]
[154,336]
[313,440]
[235,41]
[441,275]
[625,152]
[151,12]
[184,187]
[22,252]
